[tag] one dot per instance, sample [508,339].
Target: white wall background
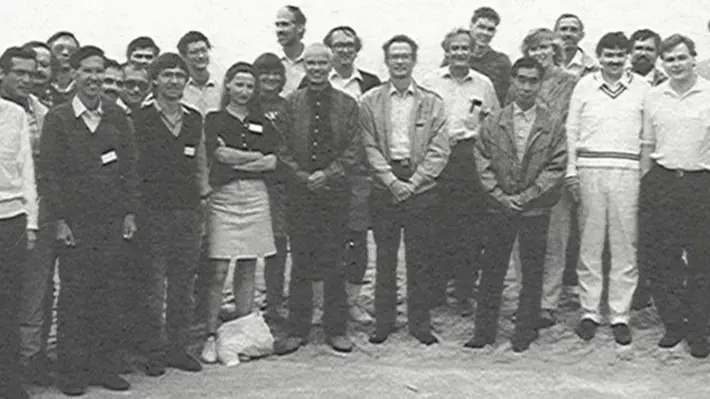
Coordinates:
[242,29]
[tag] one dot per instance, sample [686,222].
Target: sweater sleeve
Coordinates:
[346,162]
[29,186]
[129,175]
[575,110]
[51,164]
[286,156]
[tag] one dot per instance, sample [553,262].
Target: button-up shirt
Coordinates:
[581,64]
[295,72]
[205,98]
[91,118]
[321,134]
[172,122]
[677,126]
[349,85]
[522,122]
[467,100]
[402,107]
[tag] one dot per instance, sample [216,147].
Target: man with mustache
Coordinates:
[202,92]
[290,28]
[644,53]
[141,51]
[604,123]
[42,78]
[63,45]
[404,129]
[91,189]
[26,283]
[673,206]
[320,153]
[469,97]
[577,62]
[112,84]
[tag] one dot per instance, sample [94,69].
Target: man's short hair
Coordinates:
[167,61]
[401,39]
[458,31]
[83,53]
[111,63]
[487,13]
[613,40]
[328,39]
[568,15]
[190,37]
[34,44]
[298,17]
[142,42]
[645,34]
[15,52]
[674,40]
[62,33]
[527,62]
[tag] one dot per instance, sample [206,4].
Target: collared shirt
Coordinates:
[581,64]
[91,118]
[678,126]
[523,123]
[123,106]
[172,122]
[604,123]
[402,107]
[295,72]
[467,100]
[349,85]
[204,99]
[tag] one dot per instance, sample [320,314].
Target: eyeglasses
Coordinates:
[113,82]
[343,46]
[140,84]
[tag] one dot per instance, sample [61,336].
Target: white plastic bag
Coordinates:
[245,337]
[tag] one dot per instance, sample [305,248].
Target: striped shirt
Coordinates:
[604,123]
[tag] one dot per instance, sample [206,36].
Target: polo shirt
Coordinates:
[205,98]
[604,123]
[677,126]
[91,118]
[349,85]
[582,64]
[460,99]
[295,72]
[402,105]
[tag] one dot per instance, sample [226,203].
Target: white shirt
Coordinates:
[295,72]
[402,106]
[522,123]
[349,85]
[204,99]
[92,118]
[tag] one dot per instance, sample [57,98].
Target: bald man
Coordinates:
[321,152]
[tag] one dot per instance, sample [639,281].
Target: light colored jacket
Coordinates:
[430,148]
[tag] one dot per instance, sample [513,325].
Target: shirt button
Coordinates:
[313,157]
[244,145]
[315,144]
[317,116]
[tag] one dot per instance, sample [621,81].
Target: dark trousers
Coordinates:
[356,256]
[173,240]
[415,218]
[674,214]
[90,282]
[13,250]
[501,233]
[317,225]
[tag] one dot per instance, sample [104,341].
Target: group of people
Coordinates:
[149,183]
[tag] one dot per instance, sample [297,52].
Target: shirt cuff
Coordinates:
[388,178]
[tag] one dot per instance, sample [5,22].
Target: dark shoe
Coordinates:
[699,348]
[671,338]
[587,329]
[340,343]
[465,307]
[622,333]
[37,371]
[288,345]
[426,338]
[112,382]
[379,336]
[546,320]
[184,361]
[154,367]
[72,387]
[479,341]
[522,339]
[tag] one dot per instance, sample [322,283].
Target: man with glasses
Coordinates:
[202,92]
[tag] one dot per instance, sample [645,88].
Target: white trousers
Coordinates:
[609,202]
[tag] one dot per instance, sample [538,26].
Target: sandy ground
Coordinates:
[558,365]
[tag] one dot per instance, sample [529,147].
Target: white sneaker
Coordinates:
[209,352]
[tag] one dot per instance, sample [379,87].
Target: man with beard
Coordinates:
[136,86]
[43,75]
[63,45]
[290,28]
[571,29]
[141,51]
[319,154]
[469,97]
[88,162]
[17,67]
[202,92]
[644,53]
[674,214]
[603,132]
[112,83]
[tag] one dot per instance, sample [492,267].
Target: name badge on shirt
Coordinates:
[189,151]
[256,128]
[108,157]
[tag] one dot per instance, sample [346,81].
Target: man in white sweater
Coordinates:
[18,227]
[603,134]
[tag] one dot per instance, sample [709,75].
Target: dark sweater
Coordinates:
[167,167]
[88,175]
[256,133]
